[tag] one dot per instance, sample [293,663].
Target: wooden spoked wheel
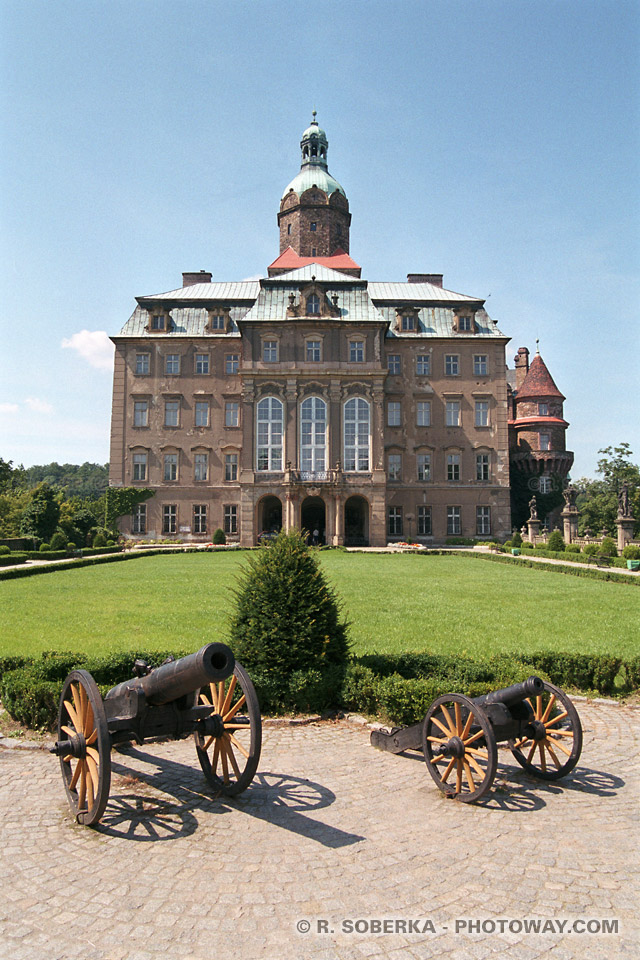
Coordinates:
[554,743]
[84,747]
[229,756]
[459,747]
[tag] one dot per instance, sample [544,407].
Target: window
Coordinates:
[424,466]
[142,364]
[543,409]
[544,485]
[157,322]
[465,324]
[356,351]
[356,434]
[169,515]
[269,434]
[218,322]
[202,363]
[200,518]
[423,413]
[483,521]
[139,466]
[454,526]
[393,363]
[313,304]
[232,413]
[482,466]
[545,441]
[231,363]
[394,466]
[394,413]
[452,364]
[139,518]
[141,413]
[202,413]
[480,366]
[231,466]
[289,229]
[172,364]
[314,350]
[270,351]
[201,466]
[423,365]
[395,521]
[408,322]
[231,518]
[313,251]
[313,434]
[453,413]
[312,226]
[171,413]
[482,413]
[453,466]
[170,466]
[424,521]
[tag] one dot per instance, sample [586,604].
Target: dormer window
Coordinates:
[408,322]
[313,302]
[465,324]
[217,321]
[157,322]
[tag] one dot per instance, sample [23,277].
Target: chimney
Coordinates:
[433,278]
[521,361]
[188,279]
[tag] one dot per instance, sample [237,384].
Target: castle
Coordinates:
[365,412]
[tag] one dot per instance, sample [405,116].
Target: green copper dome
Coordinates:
[313,168]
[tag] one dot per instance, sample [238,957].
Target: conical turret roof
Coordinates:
[538,382]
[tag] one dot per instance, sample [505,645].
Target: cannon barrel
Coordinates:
[509,696]
[212,664]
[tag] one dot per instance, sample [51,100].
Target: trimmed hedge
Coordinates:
[571,556]
[9,559]
[588,572]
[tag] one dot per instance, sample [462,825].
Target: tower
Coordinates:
[314,216]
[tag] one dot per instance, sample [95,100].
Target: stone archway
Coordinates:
[313,519]
[356,522]
[269,516]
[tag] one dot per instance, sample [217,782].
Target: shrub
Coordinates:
[632,669]
[110,543]
[44,548]
[508,544]
[4,550]
[71,547]
[608,548]
[218,537]
[630,552]
[590,550]
[516,539]
[287,622]
[58,541]
[572,548]
[99,540]
[555,541]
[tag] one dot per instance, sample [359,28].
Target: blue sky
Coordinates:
[494,141]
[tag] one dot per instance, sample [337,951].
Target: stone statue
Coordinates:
[533,508]
[570,494]
[623,501]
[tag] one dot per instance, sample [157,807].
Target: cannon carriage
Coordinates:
[207,694]
[459,736]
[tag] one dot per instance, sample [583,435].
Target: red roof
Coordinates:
[538,382]
[290,260]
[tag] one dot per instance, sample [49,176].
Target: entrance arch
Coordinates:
[313,518]
[269,516]
[356,522]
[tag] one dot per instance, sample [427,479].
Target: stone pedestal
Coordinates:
[625,527]
[534,529]
[570,523]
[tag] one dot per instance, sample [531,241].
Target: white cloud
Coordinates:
[93,346]
[9,407]
[38,406]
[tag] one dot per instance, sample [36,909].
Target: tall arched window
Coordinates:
[356,434]
[313,434]
[269,434]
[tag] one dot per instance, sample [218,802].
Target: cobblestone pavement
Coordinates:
[331,833]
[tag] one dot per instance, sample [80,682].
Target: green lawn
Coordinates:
[394,602]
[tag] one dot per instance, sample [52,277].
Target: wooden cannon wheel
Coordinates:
[85,754]
[229,761]
[555,745]
[459,747]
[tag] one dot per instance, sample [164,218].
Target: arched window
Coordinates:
[269,434]
[313,304]
[313,434]
[356,434]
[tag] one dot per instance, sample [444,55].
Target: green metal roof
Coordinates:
[314,175]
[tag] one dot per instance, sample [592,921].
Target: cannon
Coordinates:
[207,694]
[459,736]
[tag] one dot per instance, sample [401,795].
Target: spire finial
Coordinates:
[314,114]
[537,346]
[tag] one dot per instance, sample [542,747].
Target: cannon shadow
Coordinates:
[279,799]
